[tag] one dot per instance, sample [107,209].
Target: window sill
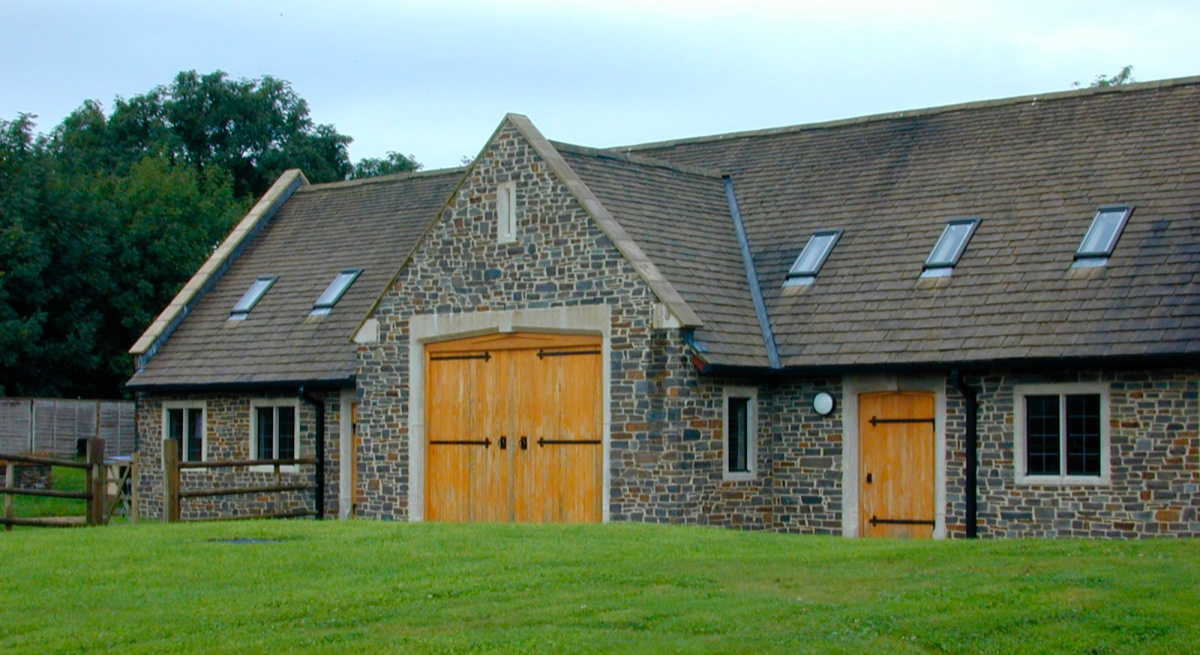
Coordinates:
[740,476]
[289,468]
[1063,480]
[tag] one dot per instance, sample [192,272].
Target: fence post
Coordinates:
[10,482]
[97,485]
[171,459]
[135,479]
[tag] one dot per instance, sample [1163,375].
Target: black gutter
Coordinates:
[319,406]
[760,307]
[241,386]
[971,401]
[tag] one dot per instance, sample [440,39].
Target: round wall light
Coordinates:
[823,404]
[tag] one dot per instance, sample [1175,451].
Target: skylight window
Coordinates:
[950,247]
[334,291]
[249,299]
[815,252]
[1106,228]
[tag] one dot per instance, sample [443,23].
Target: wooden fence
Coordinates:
[101,504]
[175,494]
[55,426]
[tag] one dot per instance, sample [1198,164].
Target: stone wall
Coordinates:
[667,434]
[1155,451]
[806,462]
[227,433]
[560,258]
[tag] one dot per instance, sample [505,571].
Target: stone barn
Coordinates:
[981,319]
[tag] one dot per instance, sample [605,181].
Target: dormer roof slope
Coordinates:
[1034,170]
[681,219]
[320,231]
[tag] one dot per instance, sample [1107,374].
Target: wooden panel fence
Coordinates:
[56,426]
[176,494]
[103,495]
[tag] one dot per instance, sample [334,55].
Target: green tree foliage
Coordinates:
[89,254]
[394,162]
[1123,77]
[252,129]
[104,218]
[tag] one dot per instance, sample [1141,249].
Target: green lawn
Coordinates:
[366,587]
[62,479]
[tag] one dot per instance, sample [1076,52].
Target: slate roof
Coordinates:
[319,231]
[1034,169]
[681,219]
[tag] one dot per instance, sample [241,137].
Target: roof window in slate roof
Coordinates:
[949,248]
[249,299]
[1101,237]
[813,257]
[334,291]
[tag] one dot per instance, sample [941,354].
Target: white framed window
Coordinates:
[506,212]
[740,438]
[275,429]
[184,423]
[1061,433]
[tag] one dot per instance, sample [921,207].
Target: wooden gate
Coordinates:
[896,464]
[513,429]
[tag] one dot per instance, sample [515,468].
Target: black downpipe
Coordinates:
[972,409]
[319,406]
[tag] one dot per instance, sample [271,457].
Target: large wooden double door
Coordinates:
[513,429]
[896,464]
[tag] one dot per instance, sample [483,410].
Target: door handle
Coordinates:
[524,443]
[868,475]
[503,443]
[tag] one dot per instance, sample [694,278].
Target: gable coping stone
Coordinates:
[662,288]
[216,264]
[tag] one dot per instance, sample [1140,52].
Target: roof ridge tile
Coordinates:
[913,113]
[639,160]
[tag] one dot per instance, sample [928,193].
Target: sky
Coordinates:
[434,79]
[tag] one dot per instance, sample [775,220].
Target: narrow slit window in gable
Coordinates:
[949,247]
[334,292]
[249,299]
[506,212]
[1097,245]
[813,257]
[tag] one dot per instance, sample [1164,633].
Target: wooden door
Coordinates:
[466,470]
[896,464]
[558,469]
[513,429]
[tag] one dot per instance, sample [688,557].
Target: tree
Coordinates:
[394,162]
[104,219]
[89,254]
[254,129]
[23,257]
[1123,77]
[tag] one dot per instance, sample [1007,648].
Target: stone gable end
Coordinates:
[560,258]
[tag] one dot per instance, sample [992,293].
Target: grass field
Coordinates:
[62,479]
[366,587]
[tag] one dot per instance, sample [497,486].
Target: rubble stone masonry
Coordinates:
[227,433]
